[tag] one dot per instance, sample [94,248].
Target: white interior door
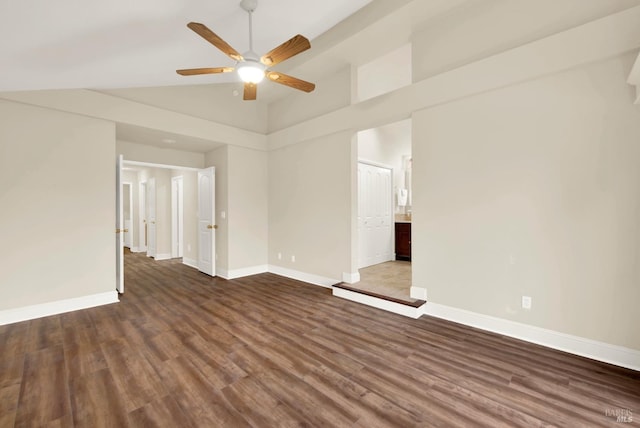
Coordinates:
[151,217]
[375,215]
[177,217]
[119,228]
[206,221]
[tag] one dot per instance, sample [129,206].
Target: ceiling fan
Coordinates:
[250,67]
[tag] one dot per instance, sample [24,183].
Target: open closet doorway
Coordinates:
[384,210]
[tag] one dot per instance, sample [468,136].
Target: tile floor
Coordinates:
[391,279]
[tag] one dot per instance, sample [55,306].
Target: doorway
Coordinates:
[384,191]
[163,207]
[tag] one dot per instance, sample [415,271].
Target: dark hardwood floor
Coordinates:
[182,349]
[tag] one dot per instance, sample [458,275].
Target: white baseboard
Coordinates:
[162,256]
[251,270]
[9,316]
[385,305]
[190,262]
[350,278]
[222,273]
[303,276]
[613,354]
[418,293]
[135,250]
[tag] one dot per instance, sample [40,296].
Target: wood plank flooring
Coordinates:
[182,349]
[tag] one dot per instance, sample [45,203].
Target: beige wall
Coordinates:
[310,205]
[247,213]
[145,153]
[384,74]
[202,101]
[57,230]
[331,93]
[534,190]
[480,28]
[241,193]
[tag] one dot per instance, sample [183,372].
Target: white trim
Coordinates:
[350,278]
[222,273]
[385,305]
[142,216]
[25,313]
[136,250]
[634,78]
[374,163]
[159,165]
[303,276]
[251,270]
[177,216]
[131,227]
[190,262]
[418,293]
[613,354]
[162,256]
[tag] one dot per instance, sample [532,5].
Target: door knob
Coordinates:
[215,226]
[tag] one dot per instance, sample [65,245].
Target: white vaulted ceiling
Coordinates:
[123,43]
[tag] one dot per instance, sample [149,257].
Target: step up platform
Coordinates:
[408,308]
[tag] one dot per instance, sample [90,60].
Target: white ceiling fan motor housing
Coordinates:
[249,5]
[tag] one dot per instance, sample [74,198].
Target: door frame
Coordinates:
[142,217]
[119,227]
[177,216]
[152,250]
[131,228]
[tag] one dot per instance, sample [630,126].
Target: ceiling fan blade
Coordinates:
[290,81]
[250,90]
[196,71]
[215,40]
[290,48]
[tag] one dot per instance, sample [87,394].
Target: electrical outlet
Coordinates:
[188,248]
[279,256]
[293,259]
[223,215]
[526,302]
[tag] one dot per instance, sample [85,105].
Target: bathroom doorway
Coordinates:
[384,210]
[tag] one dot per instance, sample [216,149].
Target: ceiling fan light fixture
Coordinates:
[251,71]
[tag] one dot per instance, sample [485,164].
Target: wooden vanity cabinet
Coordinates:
[403,241]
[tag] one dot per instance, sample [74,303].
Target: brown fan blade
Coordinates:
[250,90]
[195,71]
[215,40]
[290,81]
[290,48]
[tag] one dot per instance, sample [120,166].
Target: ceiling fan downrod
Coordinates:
[250,6]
